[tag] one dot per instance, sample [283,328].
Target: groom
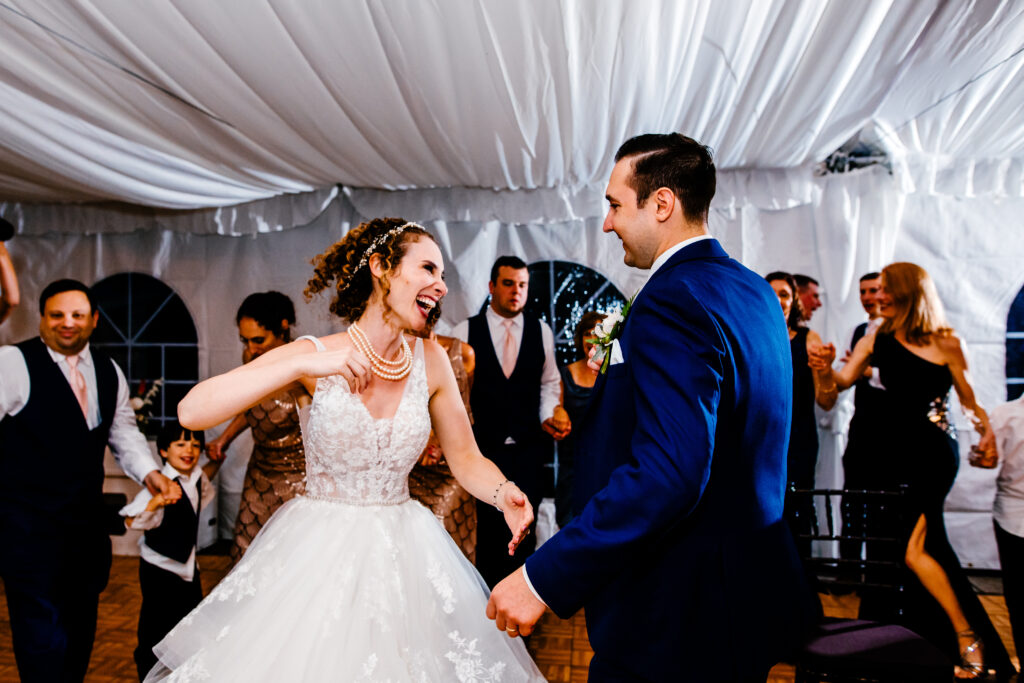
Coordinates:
[679,553]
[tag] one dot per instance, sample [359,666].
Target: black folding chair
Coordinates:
[860,650]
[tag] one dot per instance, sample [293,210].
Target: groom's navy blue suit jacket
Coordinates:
[679,554]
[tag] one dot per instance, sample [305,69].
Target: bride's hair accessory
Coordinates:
[374,246]
[379,242]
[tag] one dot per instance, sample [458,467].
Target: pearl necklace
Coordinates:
[391,370]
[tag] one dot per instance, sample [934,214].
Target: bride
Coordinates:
[354,581]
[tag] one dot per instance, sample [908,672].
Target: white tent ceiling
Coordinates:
[185,104]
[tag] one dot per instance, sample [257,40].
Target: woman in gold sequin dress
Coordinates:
[277,468]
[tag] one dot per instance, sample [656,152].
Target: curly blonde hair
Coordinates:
[339,266]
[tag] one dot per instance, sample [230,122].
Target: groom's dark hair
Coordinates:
[677,162]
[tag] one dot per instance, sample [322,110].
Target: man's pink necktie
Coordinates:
[508,355]
[78,384]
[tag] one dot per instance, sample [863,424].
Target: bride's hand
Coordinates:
[518,515]
[349,363]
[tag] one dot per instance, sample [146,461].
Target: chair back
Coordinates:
[853,540]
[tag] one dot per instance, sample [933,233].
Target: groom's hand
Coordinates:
[513,606]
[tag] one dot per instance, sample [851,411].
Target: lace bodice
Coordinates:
[352,457]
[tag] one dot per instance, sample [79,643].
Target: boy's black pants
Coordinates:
[166,600]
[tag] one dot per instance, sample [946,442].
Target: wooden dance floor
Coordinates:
[560,647]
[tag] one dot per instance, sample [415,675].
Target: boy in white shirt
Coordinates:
[168,573]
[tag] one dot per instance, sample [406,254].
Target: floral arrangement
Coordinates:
[142,403]
[606,332]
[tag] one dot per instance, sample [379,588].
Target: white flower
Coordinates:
[607,326]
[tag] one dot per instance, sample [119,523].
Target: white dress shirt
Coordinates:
[550,380]
[125,440]
[1008,424]
[143,519]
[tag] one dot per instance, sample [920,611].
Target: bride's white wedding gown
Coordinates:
[353,581]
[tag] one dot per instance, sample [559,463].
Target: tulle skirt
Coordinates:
[335,592]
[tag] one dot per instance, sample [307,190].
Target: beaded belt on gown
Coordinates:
[359,501]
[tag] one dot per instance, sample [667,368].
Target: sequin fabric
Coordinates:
[277,468]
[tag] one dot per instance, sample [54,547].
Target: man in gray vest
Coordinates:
[60,406]
[516,403]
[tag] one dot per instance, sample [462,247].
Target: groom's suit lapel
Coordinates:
[704,249]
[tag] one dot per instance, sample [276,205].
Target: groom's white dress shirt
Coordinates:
[126,442]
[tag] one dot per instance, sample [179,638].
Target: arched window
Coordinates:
[146,327]
[560,293]
[1015,348]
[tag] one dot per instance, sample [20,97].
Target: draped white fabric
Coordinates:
[187,104]
[953,117]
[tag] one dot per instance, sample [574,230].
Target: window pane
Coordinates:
[181,362]
[119,353]
[1015,321]
[1015,358]
[147,296]
[172,325]
[173,393]
[111,296]
[145,363]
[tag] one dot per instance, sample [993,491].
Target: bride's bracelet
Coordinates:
[497,490]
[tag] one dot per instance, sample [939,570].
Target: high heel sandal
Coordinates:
[975,668]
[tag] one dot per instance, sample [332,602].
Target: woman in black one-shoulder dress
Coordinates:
[919,359]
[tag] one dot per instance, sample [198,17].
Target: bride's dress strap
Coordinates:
[319,344]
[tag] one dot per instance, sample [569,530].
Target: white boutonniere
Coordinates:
[606,332]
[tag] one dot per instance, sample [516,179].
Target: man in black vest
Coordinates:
[516,399]
[60,406]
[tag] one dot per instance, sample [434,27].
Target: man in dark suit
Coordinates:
[859,472]
[60,406]
[680,554]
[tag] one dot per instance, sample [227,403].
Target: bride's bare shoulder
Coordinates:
[438,365]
